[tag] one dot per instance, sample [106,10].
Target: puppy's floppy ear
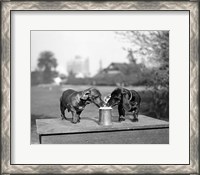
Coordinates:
[85,94]
[122,91]
[126,93]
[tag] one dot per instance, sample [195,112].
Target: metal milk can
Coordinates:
[105,116]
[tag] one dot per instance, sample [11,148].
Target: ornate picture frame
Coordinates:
[6,9]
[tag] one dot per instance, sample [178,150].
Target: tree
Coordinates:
[130,56]
[47,64]
[36,77]
[152,49]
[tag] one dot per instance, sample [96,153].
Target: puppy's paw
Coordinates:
[75,120]
[135,120]
[63,117]
[121,118]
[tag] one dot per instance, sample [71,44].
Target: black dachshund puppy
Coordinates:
[75,102]
[127,100]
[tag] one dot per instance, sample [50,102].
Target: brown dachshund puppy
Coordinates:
[127,100]
[75,102]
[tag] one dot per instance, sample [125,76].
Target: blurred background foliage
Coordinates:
[46,71]
[153,50]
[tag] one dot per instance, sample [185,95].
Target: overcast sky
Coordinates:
[66,45]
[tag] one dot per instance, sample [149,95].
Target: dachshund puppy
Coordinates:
[127,100]
[75,102]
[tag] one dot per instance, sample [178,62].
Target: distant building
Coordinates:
[113,69]
[57,80]
[60,79]
[79,66]
[119,74]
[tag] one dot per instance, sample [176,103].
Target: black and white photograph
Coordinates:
[99,87]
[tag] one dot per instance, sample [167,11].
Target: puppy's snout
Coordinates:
[109,102]
[99,102]
[102,103]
